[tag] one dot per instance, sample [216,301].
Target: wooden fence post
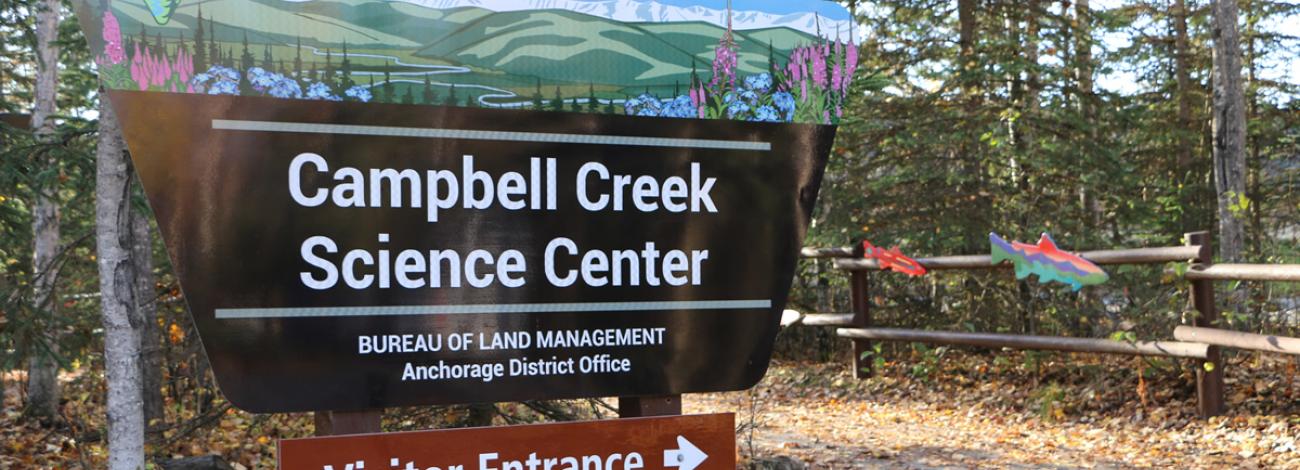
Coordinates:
[1209,383]
[334,423]
[860,285]
[639,407]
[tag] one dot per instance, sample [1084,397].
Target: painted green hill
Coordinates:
[553,45]
[560,45]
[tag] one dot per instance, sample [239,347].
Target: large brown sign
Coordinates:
[692,442]
[343,256]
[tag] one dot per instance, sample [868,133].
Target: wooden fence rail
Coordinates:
[1238,340]
[1201,340]
[1044,343]
[1245,272]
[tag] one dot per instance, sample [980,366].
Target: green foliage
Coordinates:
[939,149]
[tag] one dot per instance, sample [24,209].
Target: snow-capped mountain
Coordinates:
[652,11]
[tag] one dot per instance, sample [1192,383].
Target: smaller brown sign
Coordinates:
[691,442]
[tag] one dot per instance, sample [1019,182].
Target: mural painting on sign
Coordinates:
[757,61]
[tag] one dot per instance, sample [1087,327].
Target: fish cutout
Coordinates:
[892,259]
[162,9]
[1047,261]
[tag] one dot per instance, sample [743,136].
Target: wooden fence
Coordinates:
[1201,340]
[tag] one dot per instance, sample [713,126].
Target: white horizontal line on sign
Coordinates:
[466,134]
[571,307]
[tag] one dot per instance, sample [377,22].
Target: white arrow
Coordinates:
[686,456]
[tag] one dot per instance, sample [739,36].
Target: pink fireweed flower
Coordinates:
[183,66]
[837,78]
[138,70]
[149,71]
[851,57]
[724,65]
[112,34]
[819,71]
[703,101]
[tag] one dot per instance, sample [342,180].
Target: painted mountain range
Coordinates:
[829,22]
[674,58]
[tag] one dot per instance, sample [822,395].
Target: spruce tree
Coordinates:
[297,60]
[451,96]
[214,51]
[557,104]
[246,59]
[200,49]
[537,95]
[328,78]
[267,62]
[388,85]
[428,90]
[345,69]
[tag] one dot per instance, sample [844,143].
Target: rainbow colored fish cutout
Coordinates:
[1047,261]
[892,259]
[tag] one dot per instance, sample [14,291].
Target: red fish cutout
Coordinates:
[892,259]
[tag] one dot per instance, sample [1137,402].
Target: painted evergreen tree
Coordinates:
[246,60]
[297,60]
[214,51]
[408,97]
[451,96]
[200,48]
[345,69]
[267,62]
[388,84]
[428,90]
[328,78]
[592,102]
[557,104]
[537,95]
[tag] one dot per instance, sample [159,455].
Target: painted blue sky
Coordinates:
[830,10]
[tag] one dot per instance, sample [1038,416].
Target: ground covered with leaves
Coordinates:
[948,409]
[925,408]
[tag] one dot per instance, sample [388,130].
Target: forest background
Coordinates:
[1110,124]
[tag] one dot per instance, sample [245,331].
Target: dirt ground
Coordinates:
[924,409]
[965,416]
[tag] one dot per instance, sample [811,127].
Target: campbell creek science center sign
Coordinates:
[385,203]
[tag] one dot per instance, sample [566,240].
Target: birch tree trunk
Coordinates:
[117,287]
[1229,132]
[1186,128]
[150,332]
[43,369]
